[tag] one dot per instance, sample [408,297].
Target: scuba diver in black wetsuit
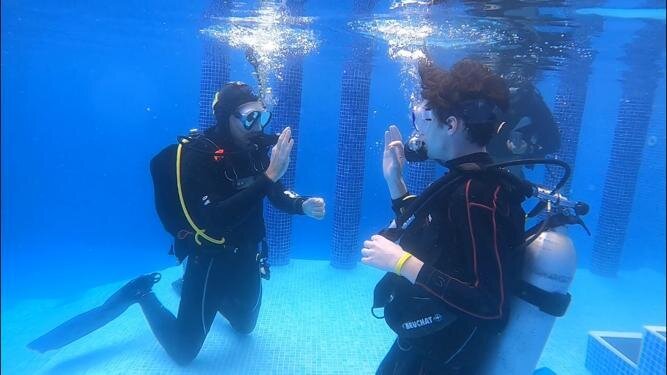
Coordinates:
[209,192]
[528,129]
[455,264]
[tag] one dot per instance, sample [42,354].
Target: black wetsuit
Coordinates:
[468,239]
[225,198]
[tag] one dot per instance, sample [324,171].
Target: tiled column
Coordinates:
[644,67]
[650,197]
[353,123]
[287,112]
[419,175]
[571,97]
[214,66]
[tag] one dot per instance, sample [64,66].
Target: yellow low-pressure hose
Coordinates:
[198,231]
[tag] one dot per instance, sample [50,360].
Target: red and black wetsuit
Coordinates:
[467,240]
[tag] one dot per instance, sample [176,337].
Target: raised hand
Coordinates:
[393,158]
[280,155]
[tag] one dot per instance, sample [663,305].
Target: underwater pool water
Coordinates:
[91,92]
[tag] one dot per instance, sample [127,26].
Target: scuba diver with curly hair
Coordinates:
[450,275]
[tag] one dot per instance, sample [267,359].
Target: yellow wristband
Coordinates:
[399,265]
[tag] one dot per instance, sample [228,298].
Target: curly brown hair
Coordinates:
[446,91]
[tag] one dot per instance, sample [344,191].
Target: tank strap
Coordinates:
[552,303]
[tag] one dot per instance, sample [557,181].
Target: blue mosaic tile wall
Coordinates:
[571,97]
[602,361]
[287,112]
[651,198]
[352,127]
[654,4]
[419,175]
[214,66]
[639,82]
[652,360]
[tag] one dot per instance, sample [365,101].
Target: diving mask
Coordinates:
[253,117]
[257,112]
[415,147]
[264,116]
[422,117]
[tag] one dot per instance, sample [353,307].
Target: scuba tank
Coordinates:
[549,267]
[550,263]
